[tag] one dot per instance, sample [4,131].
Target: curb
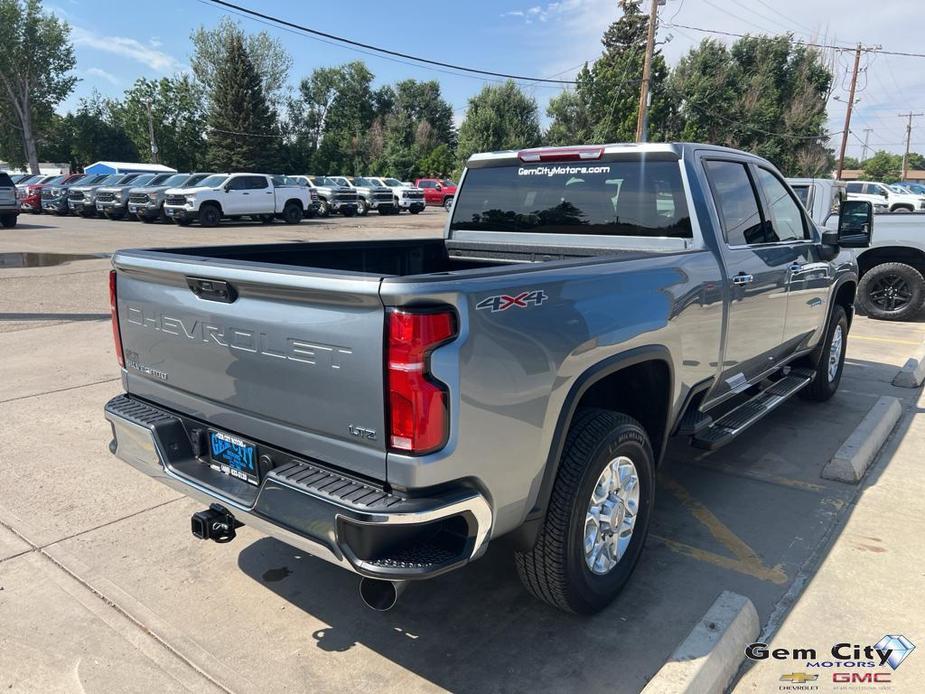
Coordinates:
[850,462]
[708,659]
[913,372]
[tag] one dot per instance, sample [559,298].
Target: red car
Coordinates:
[437,191]
[30,194]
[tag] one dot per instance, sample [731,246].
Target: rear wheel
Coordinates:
[292,213]
[209,216]
[415,210]
[891,291]
[8,221]
[598,514]
[830,361]
[448,202]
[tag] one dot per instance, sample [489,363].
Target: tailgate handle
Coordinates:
[212,290]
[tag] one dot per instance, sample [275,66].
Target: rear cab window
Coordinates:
[609,198]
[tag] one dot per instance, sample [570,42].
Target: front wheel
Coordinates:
[891,291]
[598,514]
[324,210]
[8,221]
[362,207]
[830,361]
[209,216]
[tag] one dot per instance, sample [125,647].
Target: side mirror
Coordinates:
[855,224]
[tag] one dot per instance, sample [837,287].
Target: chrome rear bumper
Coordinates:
[342,520]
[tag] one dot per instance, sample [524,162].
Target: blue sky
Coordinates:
[119,42]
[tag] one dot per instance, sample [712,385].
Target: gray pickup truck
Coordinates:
[391,406]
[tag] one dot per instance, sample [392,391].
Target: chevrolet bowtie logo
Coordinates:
[798,678]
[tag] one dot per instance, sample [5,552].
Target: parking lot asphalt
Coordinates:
[103,588]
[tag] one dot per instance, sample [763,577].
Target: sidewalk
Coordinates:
[870,581]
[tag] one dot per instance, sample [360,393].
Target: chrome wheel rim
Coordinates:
[611,515]
[835,350]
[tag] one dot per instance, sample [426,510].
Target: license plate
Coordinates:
[233,456]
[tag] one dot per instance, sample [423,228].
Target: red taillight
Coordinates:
[114,313]
[418,408]
[561,154]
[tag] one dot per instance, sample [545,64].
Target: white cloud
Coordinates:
[127,48]
[99,72]
[549,11]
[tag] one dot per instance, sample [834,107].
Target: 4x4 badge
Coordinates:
[502,302]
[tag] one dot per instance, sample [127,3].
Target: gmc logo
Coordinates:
[861,677]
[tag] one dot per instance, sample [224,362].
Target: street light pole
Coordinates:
[642,120]
[151,132]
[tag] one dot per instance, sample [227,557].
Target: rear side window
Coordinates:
[854,187]
[5,180]
[737,203]
[619,198]
[257,182]
[786,218]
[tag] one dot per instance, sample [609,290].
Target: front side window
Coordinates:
[854,187]
[619,198]
[787,220]
[238,183]
[737,203]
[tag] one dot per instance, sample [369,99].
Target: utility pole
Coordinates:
[910,116]
[867,132]
[151,133]
[642,121]
[847,130]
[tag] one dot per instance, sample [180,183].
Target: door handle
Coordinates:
[245,193]
[795,267]
[742,279]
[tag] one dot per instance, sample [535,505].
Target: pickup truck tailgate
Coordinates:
[286,355]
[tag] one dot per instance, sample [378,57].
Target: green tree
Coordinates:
[332,118]
[242,129]
[852,163]
[439,162]
[36,57]
[762,94]
[96,132]
[498,117]
[604,104]
[883,166]
[179,119]
[270,60]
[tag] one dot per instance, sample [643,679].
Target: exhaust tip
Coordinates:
[380,595]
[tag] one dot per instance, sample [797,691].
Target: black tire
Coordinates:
[447,202]
[891,291]
[387,210]
[292,213]
[8,221]
[145,219]
[415,210]
[824,384]
[348,212]
[555,570]
[362,207]
[324,210]
[209,216]
[265,219]
[181,222]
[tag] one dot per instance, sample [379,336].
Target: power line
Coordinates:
[811,44]
[384,51]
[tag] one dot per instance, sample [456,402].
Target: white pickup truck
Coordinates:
[892,268]
[258,196]
[895,200]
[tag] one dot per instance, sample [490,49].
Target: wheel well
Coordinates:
[634,391]
[844,297]
[891,254]
[295,200]
[211,203]
[903,206]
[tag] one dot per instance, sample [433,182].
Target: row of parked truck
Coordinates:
[206,198]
